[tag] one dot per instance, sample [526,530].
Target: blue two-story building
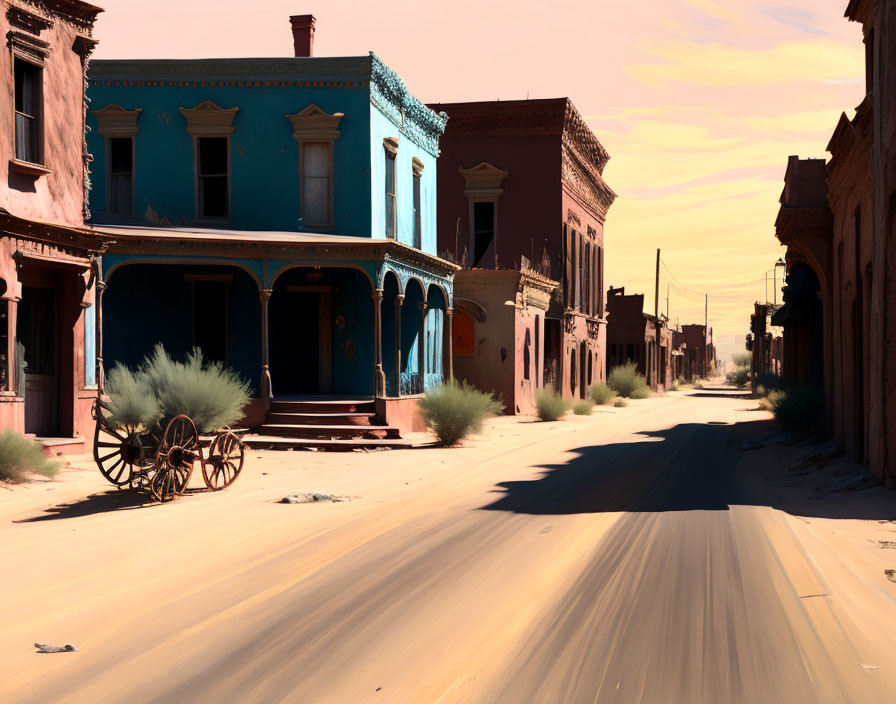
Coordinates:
[280,214]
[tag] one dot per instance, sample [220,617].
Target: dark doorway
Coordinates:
[301,339]
[210,319]
[37,333]
[552,340]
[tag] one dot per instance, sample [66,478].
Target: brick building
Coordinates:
[840,299]
[520,187]
[636,336]
[48,371]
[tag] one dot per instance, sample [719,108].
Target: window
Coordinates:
[121,176]
[537,346]
[390,192]
[28,79]
[483,230]
[213,176]
[526,355]
[316,158]
[4,340]
[418,224]
[600,281]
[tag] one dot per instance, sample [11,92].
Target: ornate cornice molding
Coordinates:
[209,120]
[483,179]
[586,184]
[314,123]
[577,135]
[416,121]
[116,121]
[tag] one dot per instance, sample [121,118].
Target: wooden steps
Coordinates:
[323,423]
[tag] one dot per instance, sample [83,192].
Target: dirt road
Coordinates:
[634,556]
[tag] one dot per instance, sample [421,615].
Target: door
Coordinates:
[37,332]
[301,340]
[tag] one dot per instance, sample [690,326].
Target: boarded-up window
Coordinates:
[316,183]
[462,332]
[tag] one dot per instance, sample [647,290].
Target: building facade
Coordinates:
[840,298]
[636,336]
[282,212]
[47,256]
[521,189]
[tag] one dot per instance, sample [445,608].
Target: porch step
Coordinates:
[324,406]
[294,430]
[272,442]
[357,419]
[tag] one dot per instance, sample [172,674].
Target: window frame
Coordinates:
[316,125]
[116,122]
[474,200]
[305,223]
[482,185]
[109,173]
[39,119]
[197,181]
[417,198]
[390,155]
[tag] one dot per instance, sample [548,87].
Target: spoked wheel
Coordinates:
[225,461]
[116,451]
[174,464]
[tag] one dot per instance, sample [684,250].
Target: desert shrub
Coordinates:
[740,377]
[20,457]
[602,394]
[771,382]
[799,409]
[640,392]
[583,407]
[454,410]
[161,388]
[549,405]
[770,400]
[620,402]
[132,401]
[625,380]
[742,359]
[674,386]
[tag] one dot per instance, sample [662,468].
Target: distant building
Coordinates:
[47,273]
[636,336]
[521,189]
[279,214]
[839,227]
[698,352]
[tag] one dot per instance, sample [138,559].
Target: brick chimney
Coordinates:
[303,34]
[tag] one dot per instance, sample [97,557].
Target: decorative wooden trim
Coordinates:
[390,144]
[483,180]
[417,167]
[312,123]
[209,120]
[116,121]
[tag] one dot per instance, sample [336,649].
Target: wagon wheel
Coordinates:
[116,451]
[225,461]
[177,452]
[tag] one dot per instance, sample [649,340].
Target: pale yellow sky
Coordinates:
[699,103]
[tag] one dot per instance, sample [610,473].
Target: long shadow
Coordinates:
[688,467]
[101,502]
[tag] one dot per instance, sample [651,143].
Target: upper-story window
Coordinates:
[390,149]
[417,167]
[316,133]
[214,175]
[119,127]
[483,188]
[29,113]
[211,127]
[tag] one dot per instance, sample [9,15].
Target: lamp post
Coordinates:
[778,263]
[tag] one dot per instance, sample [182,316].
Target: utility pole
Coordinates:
[656,324]
[706,336]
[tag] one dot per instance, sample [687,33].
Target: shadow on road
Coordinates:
[102,502]
[695,466]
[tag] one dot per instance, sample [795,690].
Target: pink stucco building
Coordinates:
[47,273]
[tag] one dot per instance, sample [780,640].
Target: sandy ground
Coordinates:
[670,551]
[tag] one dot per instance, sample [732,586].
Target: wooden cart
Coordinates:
[161,461]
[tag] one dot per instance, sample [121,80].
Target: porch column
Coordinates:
[450,333]
[98,336]
[266,387]
[379,377]
[421,348]
[399,300]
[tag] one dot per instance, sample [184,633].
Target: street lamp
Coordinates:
[778,263]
